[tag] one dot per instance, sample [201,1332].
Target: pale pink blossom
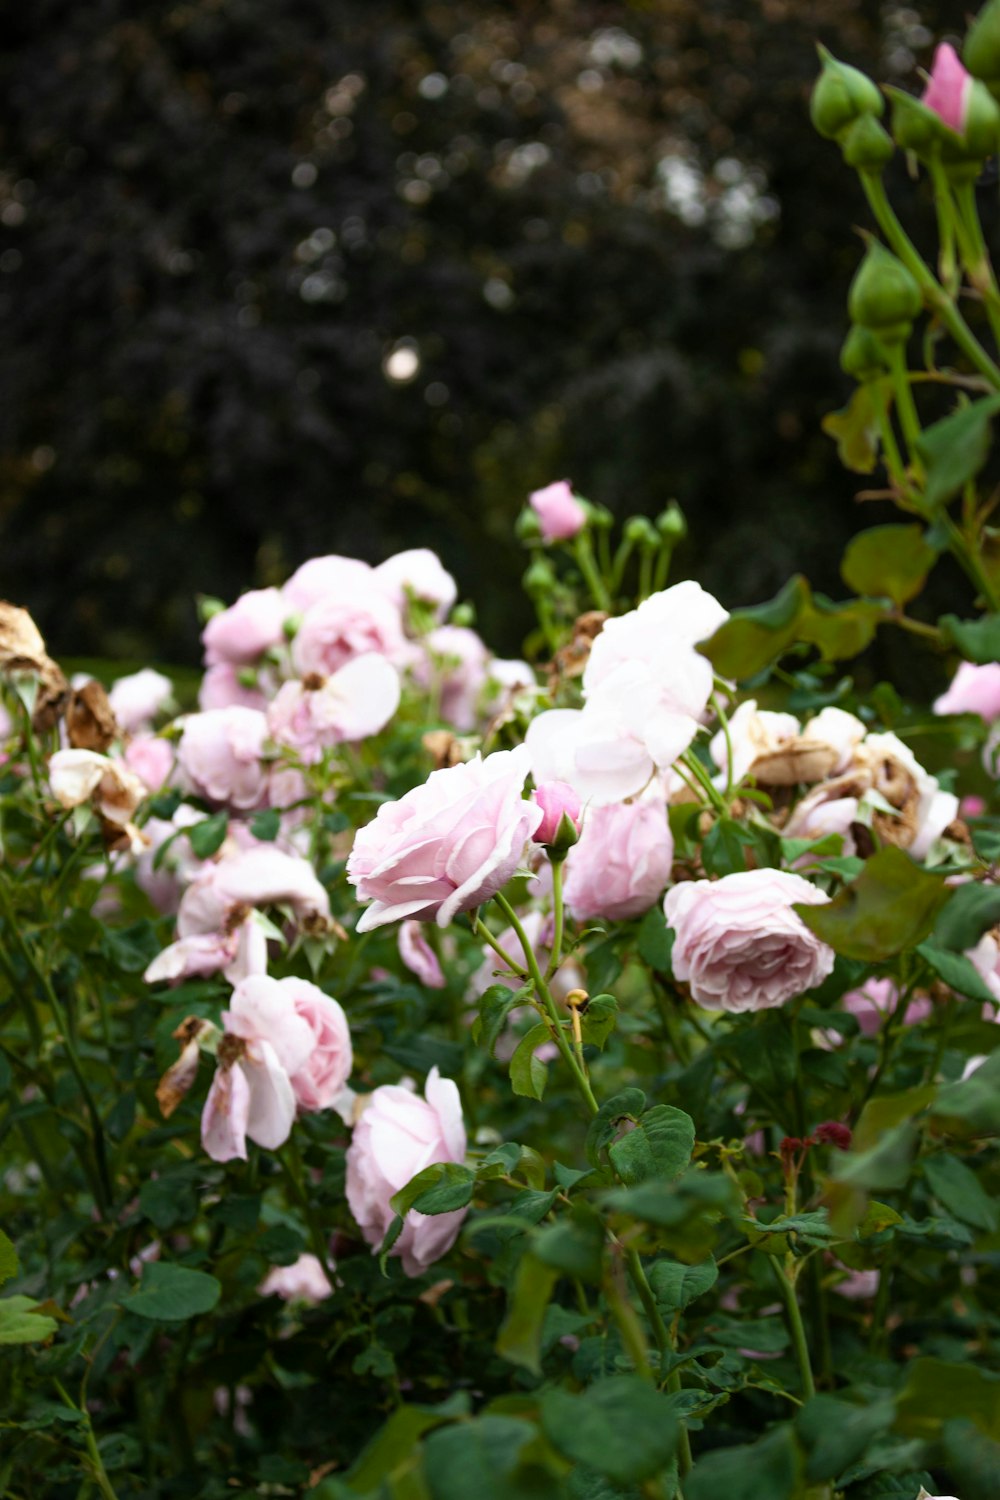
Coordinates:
[357,701]
[418,955]
[591,751]
[622,862]
[417,574]
[250,1096]
[323,578]
[560,514]
[303,1281]
[79,776]
[221,751]
[456,664]
[138,698]
[242,633]
[397,1136]
[446,846]
[221,687]
[151,758]
[948,89]
[985,959]
[924,1495]
[257,877]
[319,1081]
[876,1000]
[340,627]
[859,1286]
[739,944]
[974,690]
[238,952]
[558,800]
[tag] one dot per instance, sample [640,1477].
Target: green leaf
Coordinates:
[8,1258]
[722,849]
[842,631]
[394,1443]
[621,1426]
[838,1433]
[768,1470]
[891,906]
[978,640]
[936,1391]
[495,1004]
[659,1146]
[891,560]
[208,836]
[955,449]
[971,910]
[482,1459]
[266,825]
[675,1286]
[528,1073]
[957,971]
[599,1020]
[973,1458]
[855,429]
[439,1189]
[884,1165]
[171,1293]
[573,1245]
[20,1324]
[751,639]
[972,1105]
[520,1337]
[960,1191]
[678,1205]
[627,1105]
[656,940]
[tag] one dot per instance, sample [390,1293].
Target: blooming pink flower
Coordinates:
[320,1080]
[418,955]
[250,1096]
[151,758]
[138,698]
[973,690]
[221,688]
[243,632]
[740,945]
[340,627]
[417,574]
[948,89]
[397,1136]
[559,512]
[879,998]
[622,861]
[261,876]
[357,701]
[860,1286]
[221,751]
[558,800]
[303,1281]
[323,578]
[457,663]
[446,846]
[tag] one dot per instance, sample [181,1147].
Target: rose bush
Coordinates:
[427,1075]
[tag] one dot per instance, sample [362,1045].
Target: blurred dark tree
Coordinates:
[597,240]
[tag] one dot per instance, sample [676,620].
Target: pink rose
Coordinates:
[221,752]
[323,578]
[559,512]
[151,758]
[137,699]
[243,632]
[417,574]
[740,945]
[622,862]
[343,626]
[221,688]
[456,665]
[320,1080]
[257,877]
[876,1000]
[303,1281]
[973,690]
[418,956]
[859,1286]
[397,1136]
[446,846]
[250,1096]
[557,800]
[948,89]
[357,701]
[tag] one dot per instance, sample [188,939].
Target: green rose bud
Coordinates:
[981,53]
[671,523]
[863,356]
[915,127]
[527,527]
[840,96]
[982,132]
[641,532]
[540,577]
[866,145]
[883,295]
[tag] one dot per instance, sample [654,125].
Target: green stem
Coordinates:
[558,916]
[291,1162]
[909,420]
[976,256]
[480,928]
[712,792]
[795,1328]
[663,1342]
[645,574]
[583,551]
[723,720]
[947,225]
[90,1442]
[937,298]
[545,997]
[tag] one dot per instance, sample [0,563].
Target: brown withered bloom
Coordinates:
[90,719]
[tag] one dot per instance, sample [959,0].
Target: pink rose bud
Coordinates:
[832,1133]
[559,512]
[561,809]
[948,88]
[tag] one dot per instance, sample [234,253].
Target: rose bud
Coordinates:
[832,1133]
[883,295]
[840,96]
[981,53]
[559,512]
[561,809]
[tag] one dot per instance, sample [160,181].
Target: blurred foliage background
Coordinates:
[353,275]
